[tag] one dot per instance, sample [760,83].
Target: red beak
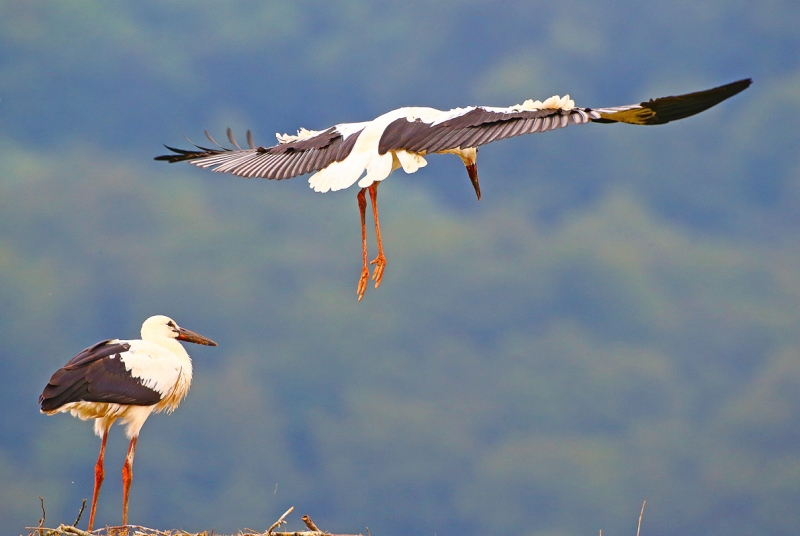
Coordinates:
[191,336]
[472,171]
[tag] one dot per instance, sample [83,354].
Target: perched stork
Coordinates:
[125,380]
[368,152]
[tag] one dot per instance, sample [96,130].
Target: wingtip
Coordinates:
[177,156]
[738,86]
[665,109]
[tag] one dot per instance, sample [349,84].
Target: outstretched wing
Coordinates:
[478,125]
[306,152]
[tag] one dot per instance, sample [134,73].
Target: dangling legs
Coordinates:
[99,475]
[362,207]
[380,260]
[127,478]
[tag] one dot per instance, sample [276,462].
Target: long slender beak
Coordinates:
[191,336]
[472,171]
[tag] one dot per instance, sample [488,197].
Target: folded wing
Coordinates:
[97,374]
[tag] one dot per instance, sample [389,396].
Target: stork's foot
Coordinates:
[380,265]
[362,282]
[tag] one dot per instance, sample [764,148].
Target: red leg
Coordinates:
[362,207]
[380,260]
[99,475]
[127,478]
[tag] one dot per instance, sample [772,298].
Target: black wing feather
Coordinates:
[666,109]
[97,374]
[282,161]
[479,126]
[473,128]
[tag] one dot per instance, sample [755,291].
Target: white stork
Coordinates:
[368,152]
[126,380]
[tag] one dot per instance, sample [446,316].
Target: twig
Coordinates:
[310,533]
[62,529]
[70,529]
[44,516]
[125,529]
[138,530]
[80,513]
[309,523]
[280,520]
[640,519]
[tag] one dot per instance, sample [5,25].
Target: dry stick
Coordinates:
[117,529]
[640,519]
[80,513]
[139,529]
[121,528]
[280,520]
[61,530]
[73,530]
[310,533]
[44,515]
[309,523]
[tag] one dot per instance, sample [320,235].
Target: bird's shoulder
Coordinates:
[96,352]
[142,353]
[140,346]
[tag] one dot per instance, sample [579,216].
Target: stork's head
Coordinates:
[160,326]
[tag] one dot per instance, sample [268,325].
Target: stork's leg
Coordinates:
[99,475]
[362,207]
[127,478]
[380,260]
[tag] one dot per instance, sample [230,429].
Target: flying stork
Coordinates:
[368,152]
[126,380]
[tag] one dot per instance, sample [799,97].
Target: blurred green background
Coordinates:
[617,320]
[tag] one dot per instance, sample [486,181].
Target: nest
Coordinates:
[137,530]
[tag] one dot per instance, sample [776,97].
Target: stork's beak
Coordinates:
[191,336]
[472,171]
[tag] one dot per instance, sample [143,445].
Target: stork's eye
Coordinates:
[172,324]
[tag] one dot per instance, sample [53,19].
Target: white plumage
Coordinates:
[124,380]
[366,153]
[365,156]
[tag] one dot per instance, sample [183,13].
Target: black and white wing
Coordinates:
[97,374]
[471,127]
[295,155]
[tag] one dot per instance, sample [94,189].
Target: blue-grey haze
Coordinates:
[617,320]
